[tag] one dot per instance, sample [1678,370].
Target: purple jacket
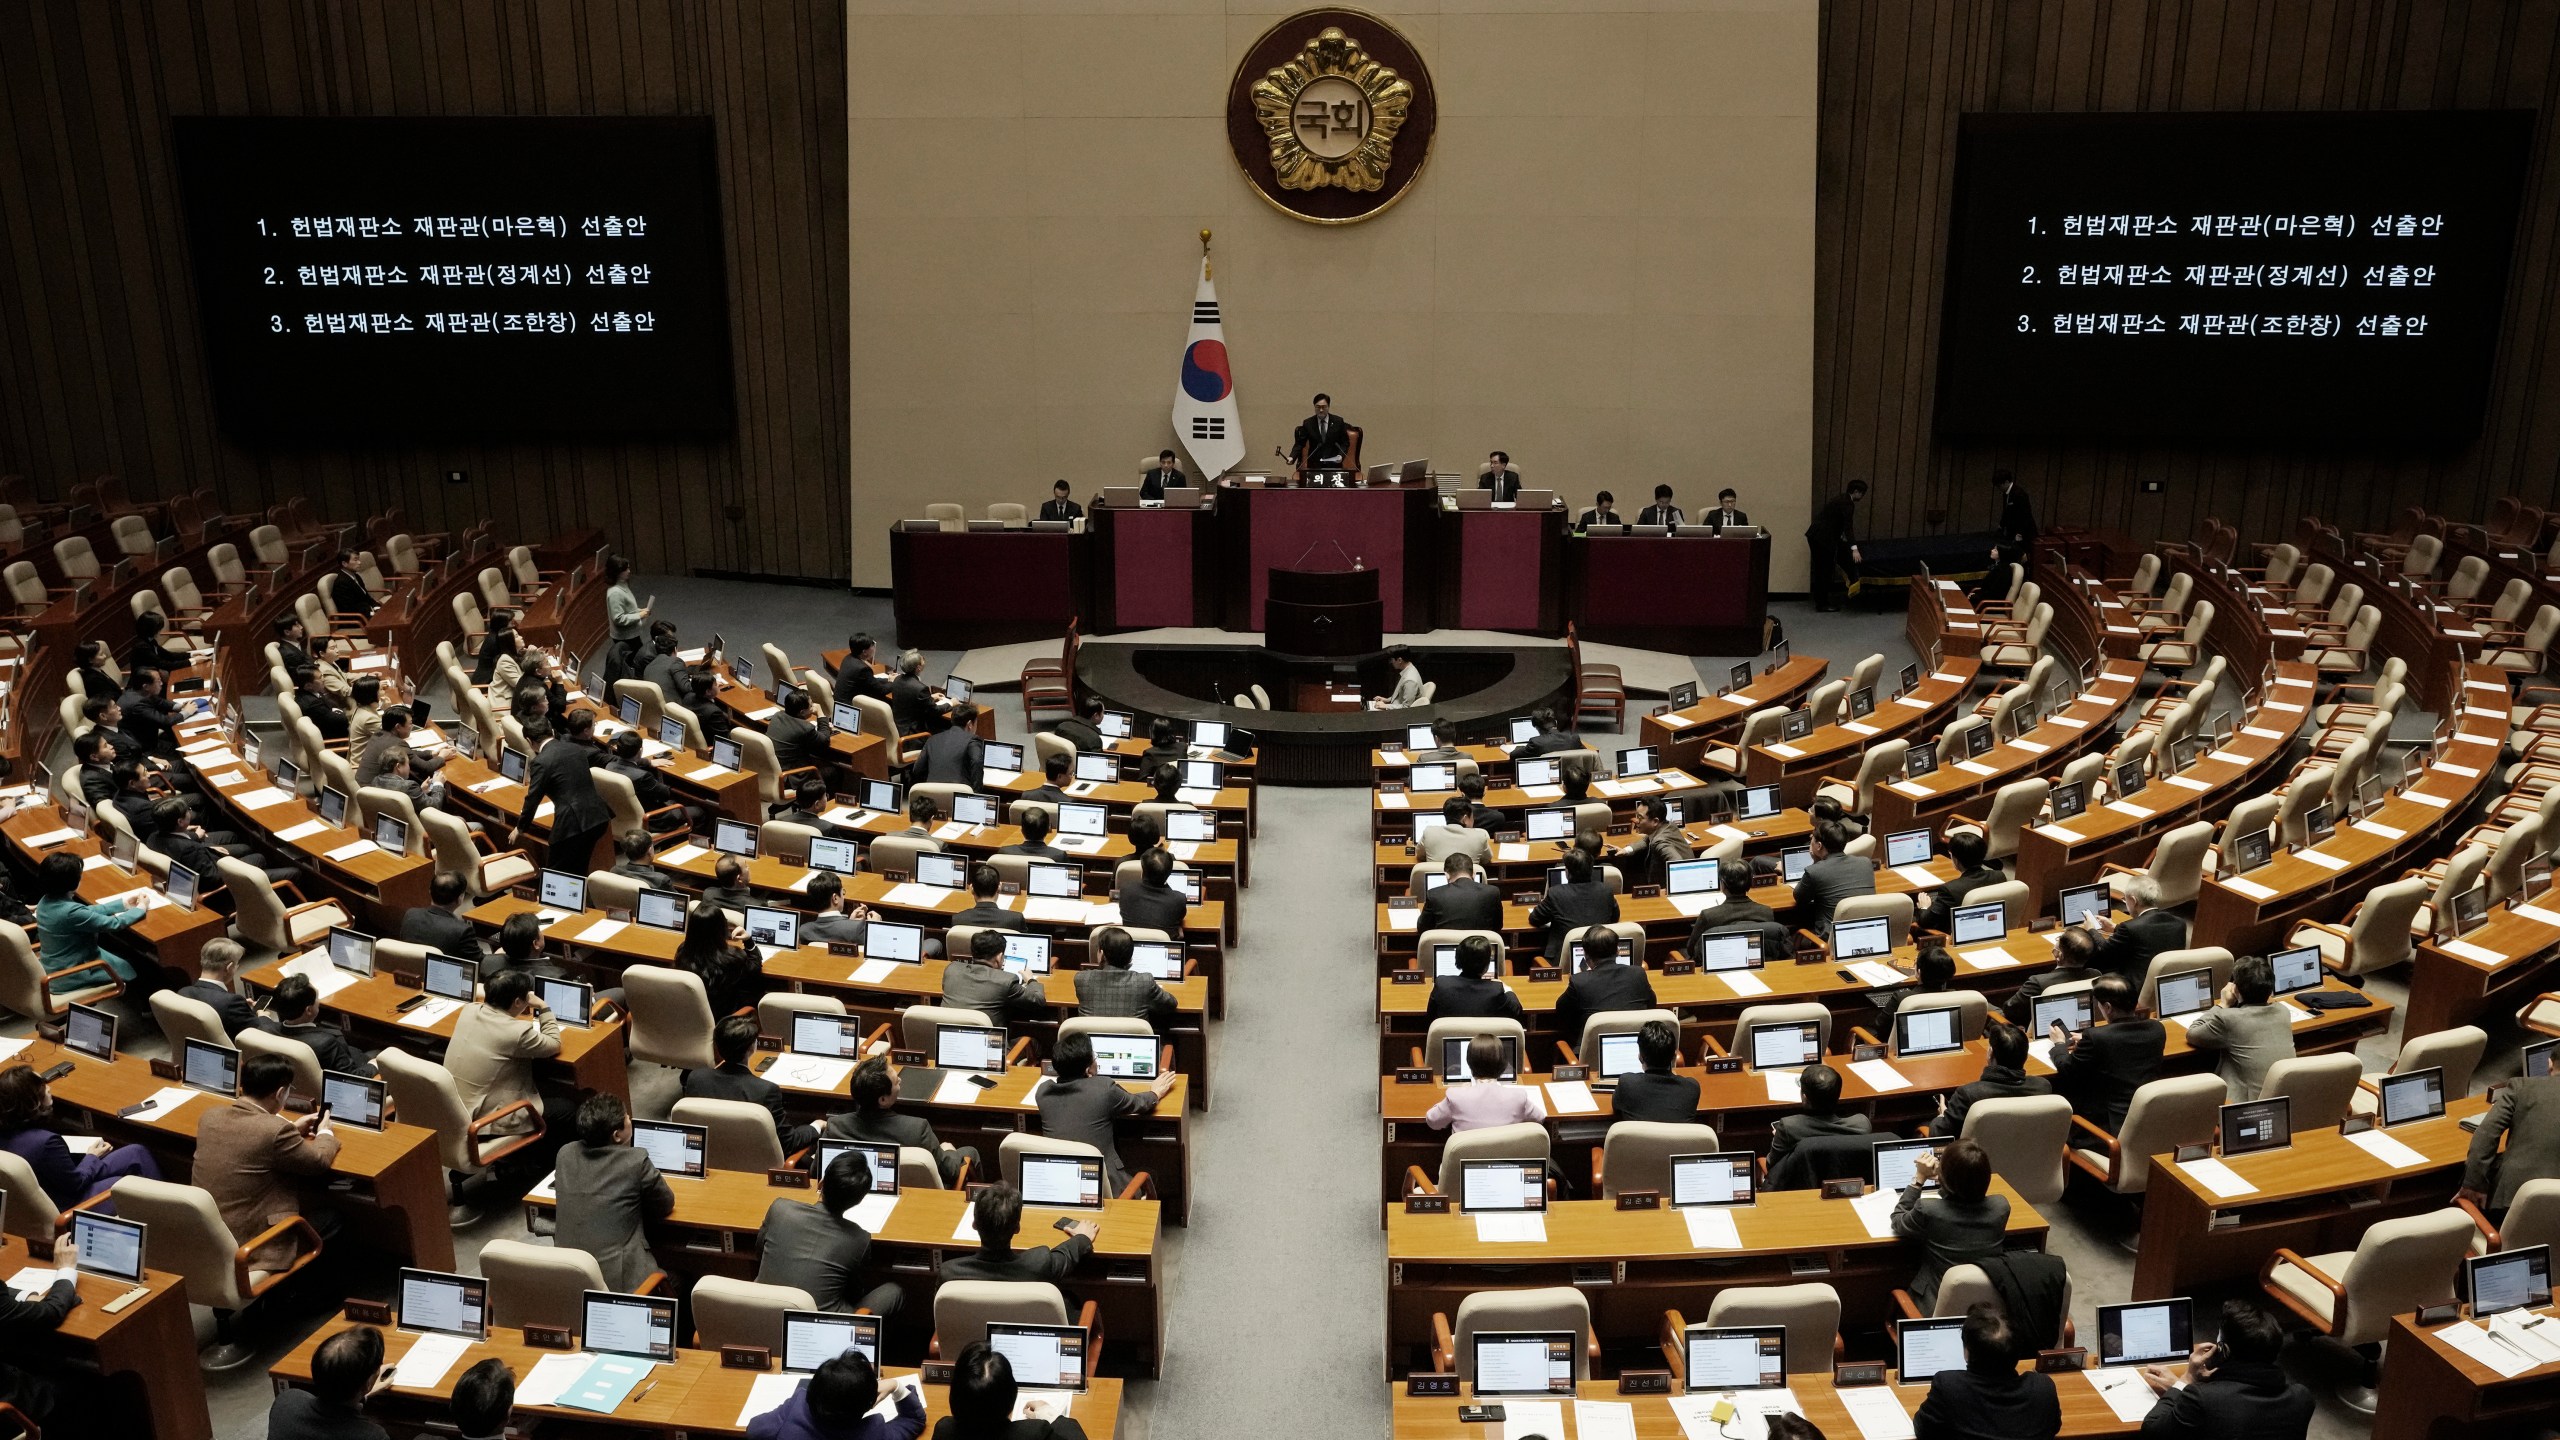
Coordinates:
[56,1169]
[792,1421]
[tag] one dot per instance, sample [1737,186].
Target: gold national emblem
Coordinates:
[1332,113]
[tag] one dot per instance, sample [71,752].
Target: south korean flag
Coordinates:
[1204,393]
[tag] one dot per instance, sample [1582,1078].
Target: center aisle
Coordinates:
[1276,1298]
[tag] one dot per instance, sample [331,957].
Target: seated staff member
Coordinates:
[1821,1115]
[1496,475]
[1656,1092]
[1058,506]
[148,653]
[797,743]
[1482,816]
[2234,1388]
[806,804]
[1470,992]
[1601,985]
[874,1120]
[1166,475]
[1989,1399]
[730,968]
[818,1248]
[609,1189]
[1603,511]
[2099,1068]
[2251,1031]
[1112,988]
[1083,1106]
[1661,511]
[1463,902]
[1726,515]
[1834,876]
[317,703]
[1484,1098]
[1933,972]
[148,716]
[1961,1224]
[983,1396]
[1407,691]
[28,1131]
[255,1163]
[2004,1077]
[733,1040]
[1740,911]
[1583,900]
[348,594]
[998,1211]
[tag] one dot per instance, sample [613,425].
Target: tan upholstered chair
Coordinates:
[670,1017]
[190,1238]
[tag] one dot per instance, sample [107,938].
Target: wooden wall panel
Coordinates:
[101,360]
[1897,73]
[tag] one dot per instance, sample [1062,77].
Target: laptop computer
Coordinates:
[90,1031]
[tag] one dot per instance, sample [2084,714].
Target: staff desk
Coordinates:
[1632,1265]
[1680,736]
[1962,788]
[2316,1195]
[1710,1002]
[713,1231]
[1493,762]
[150,1343]
[2432,1391]
[1389,809]
[811,969]
[1798,767]
[696,1395]
[1519,867]
[373,882]
[398,1165]
[1237,814]
[171,934]
[2247,914]
[592,1057]
[866,755]
[1158,1142]
[1739,1104]
[2085,1413]
[2507,961]
[1240,768]
[1687,594]
[2124,830]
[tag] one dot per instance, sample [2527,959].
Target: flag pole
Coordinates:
[1204,255]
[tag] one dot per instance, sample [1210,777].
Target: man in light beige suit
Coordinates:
[250,1158]
[495,1043]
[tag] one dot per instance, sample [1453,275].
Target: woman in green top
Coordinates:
[625,622]
[68,931]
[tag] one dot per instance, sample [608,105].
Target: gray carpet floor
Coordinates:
[1276,1303]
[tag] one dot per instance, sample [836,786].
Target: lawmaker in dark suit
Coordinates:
[2101,1067]
[1550,738]
[608,1190]
[1988,1399]
[1603,984]
[733,1040]
[984,911]
[1323,439]
[1112,988]
[1833,539]
[1967,849]
[797,745]
[874,1119]
[348,594]
[345,1372]
[1725,516]
[1082,1106]
[2017,526]
[297,1007]
[1463,902]
[2151,931]
[982,1398]
[579,819]
[855,676]
[2071,952]
[954,756]
[1152,903]
[1584,899]
[2235,1388]
[1654,1093]
[815,1248]
[1497,476]
[1740,912]
[998,1211]
[218,969]
[1059,505]
[914,703]
[1083,729]
[441,926]
[147,717]
[1035,835]
[1834,876]
[2527,1115]
[982,983]
[1961,1224]
[1165,476]
[1470,992]
[2004,1077]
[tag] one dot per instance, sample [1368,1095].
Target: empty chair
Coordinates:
[1636,1155]
[1527,1141]
[1810,1312]
[742,1312]
[182,1018]
[951,517]
[740,1133]
[2014,807]
[539,1284]
[2336,653]
[457,849]
[74,557]
[963,1309]
[2322,1088]
[1761,727]
[670,1017]
[2533,1218]
[1559,1307]
[264,922]
[189,1237]
[2397,1268]
[2376,936]
[2456,1050]
[2025,1137]
[2165,1114]
[1883,761]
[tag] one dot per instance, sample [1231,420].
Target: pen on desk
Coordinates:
[644,1392]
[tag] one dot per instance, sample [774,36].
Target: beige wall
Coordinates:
[1606,268]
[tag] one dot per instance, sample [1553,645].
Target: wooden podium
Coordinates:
[1324,612]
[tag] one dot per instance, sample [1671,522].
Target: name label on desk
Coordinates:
[1538,974]
[1391,787]
[1858,1372]
[1646,892]
[1644,1382]
[745,1357]
[845,948]
[550,1337]
[1433,1386]
[1413,1074]
[2193,1152]
[2054,1362]
[1639,1199]
[1860,1054]
[368,1312]
[1407,977]
[783,1177]
[1679,967]
[1426,1204]
[164,1070]
[1847,1187]
[908,1057]
[1572,1072]
[1725,1065]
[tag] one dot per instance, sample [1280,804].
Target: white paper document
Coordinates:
[426,1016]
[427,1360]
[1524,1419]
[1878,1412]
[260,798]
[2250,888]
[1875,972]
[810,1072]
[2477,954]
[163,1101]
[956,1089]
[1711,1228]
[352,849]
[35,1280]
[2124,1390]
[325,978]
[1875,1211]
[911,896]
[1602,1420]
[601,930]
[1880,1074]
[1694,905]
[1743,982]
[2382,1147]
[1786,1087]
[872,1212]
[552,1374]
[302,831]
[1403,919]
[2476,1343]
[872,972]
[1511,1229]
[1568,1097]
[2221,1179]
[1917,876]
[681,855]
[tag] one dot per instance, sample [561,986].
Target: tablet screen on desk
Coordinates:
[840,857]
[2255,1125]
[562,890]
[1043,1357]
[2084,903]
[734,837]
[2155,1332]
[675,1149]
[660,910]
[1523,730]
[1933,1031]
[637,1325]
[1124,1057]
[878,795]
[214,1069]
[773,927]
[1793,863]
[1552,823]
[1524,1362]
[1501,1185]
[1897,1161]
[1163,960]
[2417,1095]
[2070,1010]
[1980,924]
[1724,1177]
[1618,1056]
[1735,1357]
[2510,1280]
[1730,949]
[811,1338]
[943,872]
[104,1245]
[182,886]
[1907,847]
[1929,1346]
[353,1099]
[1785,1046]
[883,1160]
[969,1047]
[451,977]
[1759,802]
[1690,877]
[1453,1057]
[1062,1182]
[888,940]
[2296,970]
[1860,938]
[815,1032]
[573,1001]
[89,1030]
[973,810]
[350,950]
[1539,770]
[2183,993]
[1190,827]
[1076,818]
[431,1300]
[2537,1057]
[1026,954]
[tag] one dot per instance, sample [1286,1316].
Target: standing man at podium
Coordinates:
[1153,483]
[1408,688]
[1498,477]
[1323,440]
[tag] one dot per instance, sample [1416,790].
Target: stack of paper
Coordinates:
[1527,1228]
[425,1016]
[325,978]
[1876,972]
[1786,1087]
[1570,1097]
[2221,1179]
[2124,1390]
[427,1360]
[1524,1419]
[1875,1211]
[681,855]
[1880,1074]
[1917,876]
[1711,1228]
[1878,1412]
[1743,982]
[35,1280]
